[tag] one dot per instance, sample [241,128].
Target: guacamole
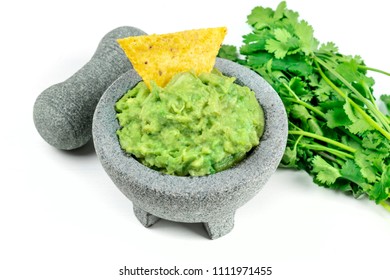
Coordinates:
[195,125]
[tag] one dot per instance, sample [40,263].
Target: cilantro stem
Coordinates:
[300,102]
[372,99]
[335,152]
[353,136]
[317,111]
[385,205]
[291,124]
[372,106]
[296,142]
[357,107]
[373,69]
[323,139]
[331,158]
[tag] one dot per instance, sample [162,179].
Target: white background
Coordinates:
[62,218]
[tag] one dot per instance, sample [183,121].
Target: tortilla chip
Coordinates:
[159,57]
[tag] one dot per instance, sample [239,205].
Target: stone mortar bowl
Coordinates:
[211,200]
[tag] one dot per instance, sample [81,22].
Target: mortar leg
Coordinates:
[144,217]
[219,226]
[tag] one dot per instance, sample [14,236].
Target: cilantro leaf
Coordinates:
[289,158]
[280,9]
[351,171]
[283,44]
[380,190]
[258,59]
[359,124]
[228,52]
[329,47]
[372,140]
[300,89]
[324,172]
[367,169]
[252,38]
[261,17]
[337,118]
[305,33]
[295,64]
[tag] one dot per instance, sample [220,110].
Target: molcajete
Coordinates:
[212,199]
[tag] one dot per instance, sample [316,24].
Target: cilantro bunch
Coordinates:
[336,131]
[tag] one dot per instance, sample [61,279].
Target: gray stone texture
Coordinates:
[63,112]
[211,200]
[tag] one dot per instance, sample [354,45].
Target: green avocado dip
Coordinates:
[195,125]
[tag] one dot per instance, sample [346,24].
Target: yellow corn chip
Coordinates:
[159,57]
